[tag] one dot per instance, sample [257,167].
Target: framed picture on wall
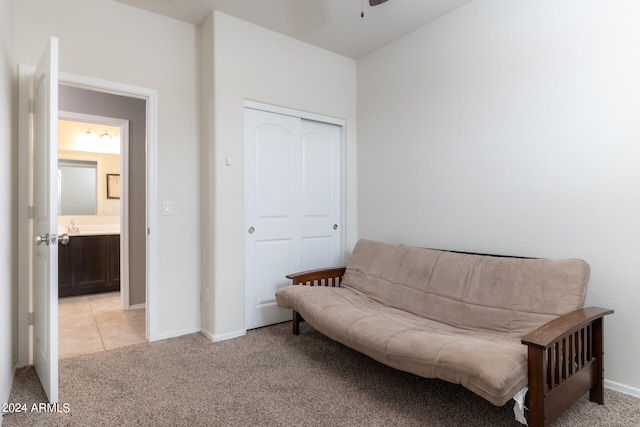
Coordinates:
[113,186]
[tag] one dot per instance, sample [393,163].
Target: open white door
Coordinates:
[45,220]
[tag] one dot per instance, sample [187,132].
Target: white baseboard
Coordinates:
[137,306]
[214,338]
[625,389]
[228,336]
[174,334]
[207,334]
[223,337]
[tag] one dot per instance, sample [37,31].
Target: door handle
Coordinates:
[63,238]
[335,226]
[38,239]
[251,230]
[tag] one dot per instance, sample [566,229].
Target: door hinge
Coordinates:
[30,318]
[31,212]
[31,105]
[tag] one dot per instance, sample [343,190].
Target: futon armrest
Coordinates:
[322,277]
[549,333]
[565,360]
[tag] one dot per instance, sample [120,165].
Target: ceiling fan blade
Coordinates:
[376,2]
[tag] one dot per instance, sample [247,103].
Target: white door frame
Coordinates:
[124,195]
[297,113]
[25,354]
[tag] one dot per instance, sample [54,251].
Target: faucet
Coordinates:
[73,228]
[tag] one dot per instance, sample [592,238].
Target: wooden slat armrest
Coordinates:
[321,277]
[551,332]
[565,360]
[317,276]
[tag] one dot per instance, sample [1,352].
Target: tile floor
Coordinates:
[93,323]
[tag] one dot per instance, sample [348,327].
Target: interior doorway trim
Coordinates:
[151,97]
[151,286]
[124,197]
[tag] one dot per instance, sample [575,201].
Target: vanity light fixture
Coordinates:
[104,137]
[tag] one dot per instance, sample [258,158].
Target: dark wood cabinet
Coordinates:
[114,260]
[65,267]
[89,264]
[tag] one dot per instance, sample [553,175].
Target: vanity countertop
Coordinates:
[90,229]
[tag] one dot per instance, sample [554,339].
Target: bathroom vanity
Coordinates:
[89,264]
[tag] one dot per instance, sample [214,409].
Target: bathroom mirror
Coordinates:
[77,184]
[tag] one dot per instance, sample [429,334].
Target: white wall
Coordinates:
[111,41]
[513,127]
[8,201]
[252,63]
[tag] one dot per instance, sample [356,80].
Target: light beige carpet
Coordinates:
[269,378]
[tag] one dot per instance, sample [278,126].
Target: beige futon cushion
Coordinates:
[443,315]
[512,296]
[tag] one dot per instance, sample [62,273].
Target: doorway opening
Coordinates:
[144,224]
[93,267]
[137,108]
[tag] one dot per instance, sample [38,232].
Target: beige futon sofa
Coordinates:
[463,318]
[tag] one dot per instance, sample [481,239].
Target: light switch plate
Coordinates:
[167,208]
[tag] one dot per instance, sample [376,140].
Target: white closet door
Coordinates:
[321,197]
[292,206]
